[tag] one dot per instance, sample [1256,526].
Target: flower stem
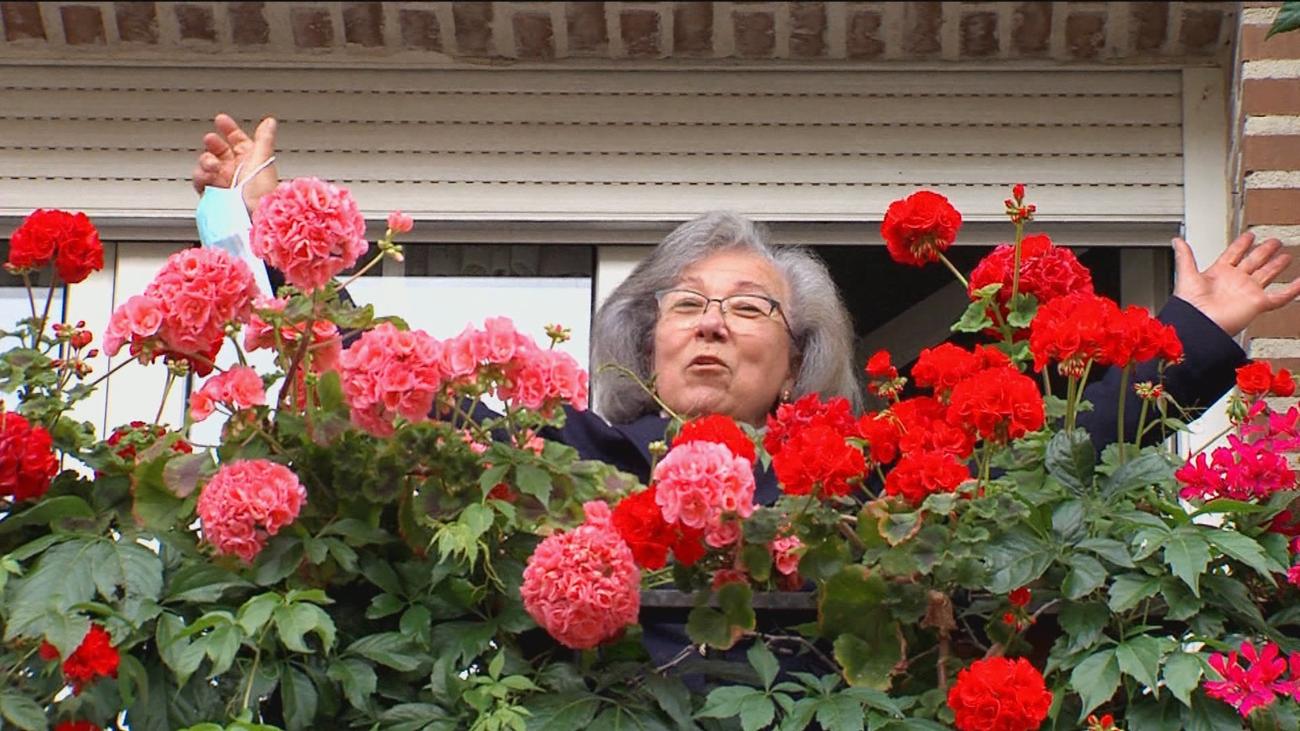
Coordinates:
[45,316]
[628,372]
[171,378]
[111,371]
[1015,273]
[960,277]
[31,299]
[1123,398]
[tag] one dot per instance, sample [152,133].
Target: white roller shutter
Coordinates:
[573,146]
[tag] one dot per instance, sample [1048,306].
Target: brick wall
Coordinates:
[1268,179]
[506,32]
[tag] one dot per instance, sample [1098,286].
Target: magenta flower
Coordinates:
[1246,688]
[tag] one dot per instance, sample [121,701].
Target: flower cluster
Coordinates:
[184,312]
[999,694]
[238,388]
[1047,272]
[1257,683]
[247,501]
[583,586]
[1241,471]
[128,441]
[920,227]
[704,486]
[810,454]
[1257,380]
[389,373]
[69,240]
[27,461]
[310,230]
[1083,328]
[323,351]
[885,381]
[94,658]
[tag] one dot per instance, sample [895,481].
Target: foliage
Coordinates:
[393,600]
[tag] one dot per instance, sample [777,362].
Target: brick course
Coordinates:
[757,31]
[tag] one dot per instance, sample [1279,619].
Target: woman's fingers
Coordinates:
[1260,255]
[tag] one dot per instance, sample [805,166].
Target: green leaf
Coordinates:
[823,560]
[278,560]
[1182,674]
[1086,575]
[1084,623]
[870,664]
[562,712]
[384,605]
[839,713]
[1187,554]
[1243,548]
[756,712]
[758,562]
[358,679]
[221,646]
[202,583]
[535,481]
[974,319]
[1183,604]
[1071,459]
[387,648]
[47,511]
[765,663]
[178,653]
[1129,589]
[726,701]
[1023,307]
[1139,657]
[1138,473]
[1108,548]
[1096,679]
[22,711]
[329,389]
[1288,19]
[873,698]
[1068,521]
[65,630]
[293,622]
[672,696]
[256,612]
[1017,559]
[299,696]
[419,717]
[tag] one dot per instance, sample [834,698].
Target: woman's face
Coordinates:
[714,364]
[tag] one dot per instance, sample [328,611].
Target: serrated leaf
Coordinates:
[1095,679]
[1182,675]
[1287,19]
[221,646]
[562,712]
[1068,520]
[1071,459]
[1129,589]
[535,481]
[255,612]
[1108,548]
[1139,657]
[1085,576]
[1016,560]
[1187,555]
[299,695]
[1243,548]
[974,319]
[1140,472]
[358,679]
[726,701]
[756,712]
[387,648]
[764,662]
[870,663]
[1084,623]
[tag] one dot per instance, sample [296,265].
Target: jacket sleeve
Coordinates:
[1208,370]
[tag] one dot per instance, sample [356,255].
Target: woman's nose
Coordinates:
[712,323]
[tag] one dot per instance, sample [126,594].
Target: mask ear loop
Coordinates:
[235,183]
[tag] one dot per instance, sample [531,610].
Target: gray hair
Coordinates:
[623,330]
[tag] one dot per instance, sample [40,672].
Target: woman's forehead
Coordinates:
[737,270]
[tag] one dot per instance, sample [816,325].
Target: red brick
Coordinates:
[693,29]
[979,34]
[196,22]
[82,25]
[1293,269]
[312,27]
[1150,25]
[1270,96]
[248,26]
[640,32]
[137,22]
[755,34]
[922,22]
[22,21]
[1271,206]
[473,28]
[1085,32]
[363,24]
[1254,47]
[864,41]
[807,30]
[1031,33]
[1201,28]
[420,29]
[1270,152]
[534,38]
[1283,322]
[587,32]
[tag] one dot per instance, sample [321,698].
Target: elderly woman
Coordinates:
[723,322]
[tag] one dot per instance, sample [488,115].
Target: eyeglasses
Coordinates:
[685,308]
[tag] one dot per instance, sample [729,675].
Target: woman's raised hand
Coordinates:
[229,148]
[1235,289]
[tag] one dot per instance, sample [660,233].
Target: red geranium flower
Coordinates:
[27,461]
[818,458]
[808,411]
[920,474]
[68,239]
[1258,379]
[999,694]
[95,657]
[923,426]
[639,521]
[920,227]
[880,431]
[1046,271]
[998,404]
[879,366]
[77,726]
[720,429]
[1019,597]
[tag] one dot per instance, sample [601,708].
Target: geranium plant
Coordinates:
[368,546]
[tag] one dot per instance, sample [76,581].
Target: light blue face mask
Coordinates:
[223,223]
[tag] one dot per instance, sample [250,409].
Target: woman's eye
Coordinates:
[747,308]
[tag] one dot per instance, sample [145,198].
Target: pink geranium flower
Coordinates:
[310,230]
[238,388]
[583,586]
[245,502]
[389,373]
[699,483]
